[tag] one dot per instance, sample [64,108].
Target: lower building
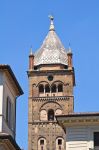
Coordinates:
[9,90]
[82,130]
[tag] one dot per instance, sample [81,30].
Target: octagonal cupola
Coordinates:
[52,50]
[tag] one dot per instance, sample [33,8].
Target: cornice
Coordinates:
[46,72]
[81,120]
[50,98]
[38,122]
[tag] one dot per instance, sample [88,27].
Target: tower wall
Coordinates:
[51,81]
[40,127]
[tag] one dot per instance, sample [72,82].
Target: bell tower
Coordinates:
[51,81]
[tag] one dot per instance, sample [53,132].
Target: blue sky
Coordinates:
[25,22]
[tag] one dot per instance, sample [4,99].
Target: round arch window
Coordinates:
[60,88]
[47,88]
[41,88]
[51,115]
[53,88]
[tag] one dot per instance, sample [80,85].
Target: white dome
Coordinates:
[52,51]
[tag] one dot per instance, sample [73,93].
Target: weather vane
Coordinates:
[51,24]
[51,17]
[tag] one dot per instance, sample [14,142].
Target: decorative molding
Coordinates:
[50,98]
[81,121]
[54,72]
[42,122]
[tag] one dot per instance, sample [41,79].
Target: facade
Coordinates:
[9,91]
[51,81]
[82,130]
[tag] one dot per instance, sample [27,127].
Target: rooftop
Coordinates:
[52,50]
[6,67]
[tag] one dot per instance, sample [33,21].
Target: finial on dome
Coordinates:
[31,60]
[69,55]
[51,24]
[69,49]
[31,52]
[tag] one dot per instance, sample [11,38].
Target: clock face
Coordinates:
[50,77]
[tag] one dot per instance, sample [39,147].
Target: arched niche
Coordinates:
[43,115]
[58,112]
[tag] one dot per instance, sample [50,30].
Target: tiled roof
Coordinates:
[52,51]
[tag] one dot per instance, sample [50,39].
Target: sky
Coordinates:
[25,23]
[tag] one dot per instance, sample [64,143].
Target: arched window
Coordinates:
[53,88]
[42,144]
[47,88]
[51,115]
[41,88]
[59,143]
[60,88]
